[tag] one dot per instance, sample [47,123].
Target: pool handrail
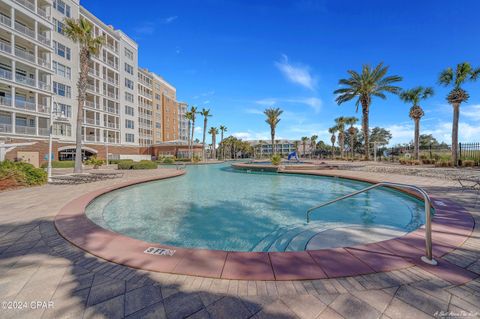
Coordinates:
[180,166]
[428,218]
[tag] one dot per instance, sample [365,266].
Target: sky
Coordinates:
[238,57]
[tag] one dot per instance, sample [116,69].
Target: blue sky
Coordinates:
[238,57]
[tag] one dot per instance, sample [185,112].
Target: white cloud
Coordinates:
[298,74]
[254,111]
[313,102]
[252,135]
[471,112]
[146,28]
[169,20]
[198,129]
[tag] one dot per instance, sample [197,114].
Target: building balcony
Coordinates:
[5,47]
[91,105]
[42,38]
[110,110]
[7,75]
[111,80]
[43,86]
[22,79]
[111,47]
[43,62]
[22,54]
[111,94]
[5,21]
[90,138]
[93,72]
[27,4]
[43,13]
[24,30]
[26,105]
[90,121]
[6,128]
[43,131]
[26,130]
[5,101]
[111,125]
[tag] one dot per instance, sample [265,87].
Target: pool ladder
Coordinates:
[428,258]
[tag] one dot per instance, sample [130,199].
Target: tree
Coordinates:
[463,73]
[364,86]
[223,129]
[206,114]
[296,144]
[352,131]
[273,117]
[213,131]
[194,112]
[414,96]
[304,144]
[332,131]
[313,144]
[340,122]
[81,31]
[380,136]
[260,143]
[189,117]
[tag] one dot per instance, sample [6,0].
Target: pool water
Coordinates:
[218,207]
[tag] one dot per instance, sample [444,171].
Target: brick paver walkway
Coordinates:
[36,264]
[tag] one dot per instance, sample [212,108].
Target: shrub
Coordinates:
[145,164]
[276,159]
[168,160]
[13,174]
[60,164]
[121,161]
[444,163]
[468,163]
[196,158]
[414,162]
[95,162]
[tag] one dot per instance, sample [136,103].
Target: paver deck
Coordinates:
[37,264]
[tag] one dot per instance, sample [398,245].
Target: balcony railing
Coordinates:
[112,95]
[42,12]
[112,140]
[111,80]
[5,128]
[25,105]
[91,105]
[5,47]
[5,101]
[23,29]
[43,86]
[25,55]
[43,131]
[91,87]
[111,63]
[43,62]
[110,110]
[111,47]
[5,21]
[92,71]
[27,4]
[5,74]
[43,108]
[24,80]
[89,138]
[91,121]
[42,38]
[29,130]
[112,125]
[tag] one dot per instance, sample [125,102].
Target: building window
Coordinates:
[62,110]
[62,89]
[61,50]
[128,68]
[129,97]
[62,70]
[129,83]
[58,26]
[62,7]
[129,110]
[129,138]
[128,54]
[129,124]
[62,129]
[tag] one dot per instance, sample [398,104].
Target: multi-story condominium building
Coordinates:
[182,121]
[145,107]
[282,147]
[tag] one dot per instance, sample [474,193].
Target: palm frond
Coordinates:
[446,77]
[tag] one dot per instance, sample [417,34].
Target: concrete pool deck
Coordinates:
[36,263]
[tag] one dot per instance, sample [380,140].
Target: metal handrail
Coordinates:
[428,218]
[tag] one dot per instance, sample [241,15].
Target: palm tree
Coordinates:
[194,112]
[260,143]
[332,131]
[189,117]
[223,129]
[81,31]
[313,144]
[463,73]
[273,117]
[351,131]
[296,144]
[414,96]
[369,83]
[304,143]
[206,114]
[340,121]
[213,131]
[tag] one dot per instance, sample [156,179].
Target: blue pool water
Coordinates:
[218,207]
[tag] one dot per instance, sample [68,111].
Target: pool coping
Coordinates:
[451,226]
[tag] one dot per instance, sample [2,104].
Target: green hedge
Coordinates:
[60,164]
[120,161]
[137,165]
[21,174]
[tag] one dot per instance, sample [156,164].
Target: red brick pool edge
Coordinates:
[451,226]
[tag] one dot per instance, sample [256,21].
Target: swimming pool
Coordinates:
[217,207]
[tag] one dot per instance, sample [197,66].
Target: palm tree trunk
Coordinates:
[82,87]
[365,129]
[192,133]
[342,145]
[223,146]
[272,133]
[204,132]
[352,145]
[333,150]
[456,118]
[417,139]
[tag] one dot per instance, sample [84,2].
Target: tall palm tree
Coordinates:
[206,114]
[364,86]
[340,121]
[463,73]
[296,144]
[81,31]
[194,112]
[313,144]
[189,117]
[414,96]
[333,130]
[351,131]
[213,131]
[273,117]
[223,129]
[260,143]
[304,143]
